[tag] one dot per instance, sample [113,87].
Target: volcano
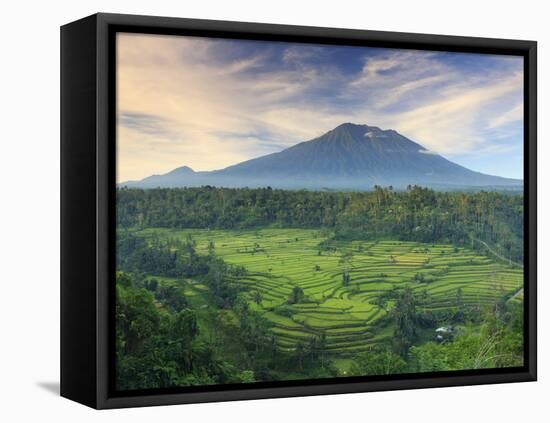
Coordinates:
[349,157]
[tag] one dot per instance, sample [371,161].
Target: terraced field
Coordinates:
[277,260]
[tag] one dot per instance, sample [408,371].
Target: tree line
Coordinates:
[416,214]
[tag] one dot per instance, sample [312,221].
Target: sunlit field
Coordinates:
[278,260]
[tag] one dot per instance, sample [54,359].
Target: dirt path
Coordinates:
[513,263]
[519,291]
[495,253]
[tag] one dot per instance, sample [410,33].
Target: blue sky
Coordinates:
[209,103]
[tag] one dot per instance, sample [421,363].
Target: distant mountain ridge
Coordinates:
[349,157]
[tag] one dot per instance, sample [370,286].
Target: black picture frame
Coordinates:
[88,201]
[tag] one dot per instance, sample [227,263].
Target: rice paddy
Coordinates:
[278,260]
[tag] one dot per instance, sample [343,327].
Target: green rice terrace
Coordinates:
[343,282]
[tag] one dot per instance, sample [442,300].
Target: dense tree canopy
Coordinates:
[417,214]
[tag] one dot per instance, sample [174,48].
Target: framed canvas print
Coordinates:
[255,211]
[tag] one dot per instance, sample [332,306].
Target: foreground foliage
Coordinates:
[191,311]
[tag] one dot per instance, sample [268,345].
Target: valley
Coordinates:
[358,253]
[346,315]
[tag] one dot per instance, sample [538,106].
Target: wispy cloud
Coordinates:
[145,123]
[429,152]
[209,103]
[298,54]
[513,115]
[389,77]
[452,123]
[242,65]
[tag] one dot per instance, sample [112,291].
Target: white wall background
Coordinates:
[29,235]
